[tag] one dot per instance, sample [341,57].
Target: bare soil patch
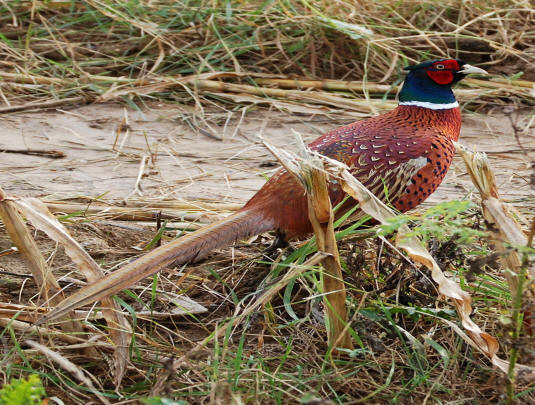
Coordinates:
[190,165]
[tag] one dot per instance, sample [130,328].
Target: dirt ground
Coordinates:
[188,162]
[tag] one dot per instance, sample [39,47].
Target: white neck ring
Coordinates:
[432,106]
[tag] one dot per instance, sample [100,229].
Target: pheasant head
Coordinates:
[429,84]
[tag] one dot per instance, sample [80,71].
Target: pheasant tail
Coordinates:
[188,248]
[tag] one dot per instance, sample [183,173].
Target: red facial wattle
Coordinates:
[444,75]
[441,76]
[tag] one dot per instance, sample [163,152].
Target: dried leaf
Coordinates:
[38,214]
[501,223]
[21,237]
[182,306]
[68,366]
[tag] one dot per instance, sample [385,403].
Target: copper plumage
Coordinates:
[404,154]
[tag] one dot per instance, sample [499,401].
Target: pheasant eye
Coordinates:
[440,66]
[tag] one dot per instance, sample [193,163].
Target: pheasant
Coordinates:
[405,152]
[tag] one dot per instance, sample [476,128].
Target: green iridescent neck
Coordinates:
[421,91]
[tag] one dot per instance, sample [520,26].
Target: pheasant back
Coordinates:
[401,156]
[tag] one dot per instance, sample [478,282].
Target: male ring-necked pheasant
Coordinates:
[407,151]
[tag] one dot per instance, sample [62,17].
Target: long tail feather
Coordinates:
[243,224]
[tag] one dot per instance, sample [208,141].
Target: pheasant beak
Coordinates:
[466,69]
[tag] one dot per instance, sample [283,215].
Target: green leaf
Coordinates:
[23,392]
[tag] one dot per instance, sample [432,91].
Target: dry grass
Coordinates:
[205,56]
[93,50]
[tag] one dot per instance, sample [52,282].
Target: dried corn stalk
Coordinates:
[309,172]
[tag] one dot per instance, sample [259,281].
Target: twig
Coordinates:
[137,187]
[52,154]
[37,105]
[200,130]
